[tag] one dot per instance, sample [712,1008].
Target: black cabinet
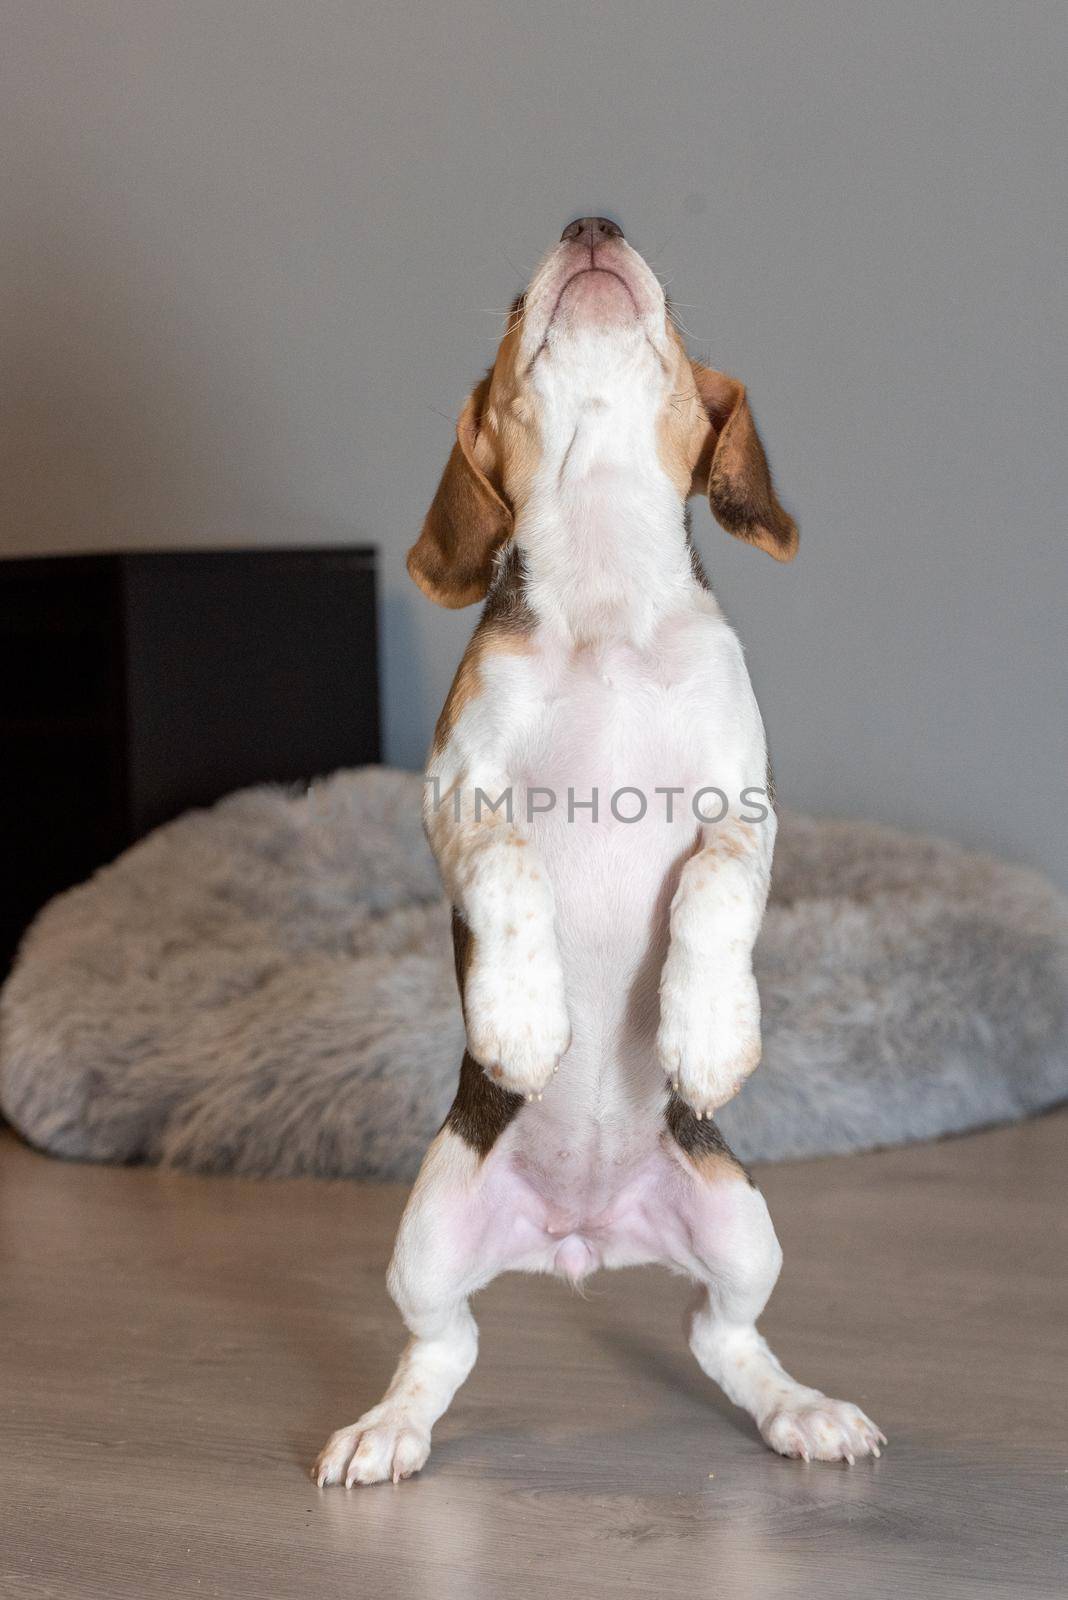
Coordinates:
[133,686]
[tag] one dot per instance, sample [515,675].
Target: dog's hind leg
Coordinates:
[731,1250]
[439,1259]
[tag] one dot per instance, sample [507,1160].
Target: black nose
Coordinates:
[593,229]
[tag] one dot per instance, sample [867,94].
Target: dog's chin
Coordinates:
[596,300]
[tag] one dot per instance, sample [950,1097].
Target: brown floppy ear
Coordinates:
[468,521]
[734,469]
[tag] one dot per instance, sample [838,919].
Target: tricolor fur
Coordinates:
[604,963]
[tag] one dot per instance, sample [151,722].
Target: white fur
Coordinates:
[633,940]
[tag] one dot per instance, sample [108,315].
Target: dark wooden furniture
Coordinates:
[133,686]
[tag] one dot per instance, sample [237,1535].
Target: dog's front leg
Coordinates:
[709,1036]
[509,967]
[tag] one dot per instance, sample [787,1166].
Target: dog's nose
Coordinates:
[594,230]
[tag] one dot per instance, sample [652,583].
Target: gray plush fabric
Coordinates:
[267,987]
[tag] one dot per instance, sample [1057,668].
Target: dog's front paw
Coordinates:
[517,1023]
[709,1039]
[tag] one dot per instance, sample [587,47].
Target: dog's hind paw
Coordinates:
[822,1430]
[386,1444]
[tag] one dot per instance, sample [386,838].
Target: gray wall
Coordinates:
[251,252]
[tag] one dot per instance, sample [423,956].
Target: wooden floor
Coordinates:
[174,1350]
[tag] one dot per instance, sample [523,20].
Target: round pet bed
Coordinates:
[267,987]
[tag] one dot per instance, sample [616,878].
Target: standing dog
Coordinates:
[598,804]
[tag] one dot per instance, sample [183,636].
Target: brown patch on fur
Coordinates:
[481,1110]
[703,1143]
[733,468]
[730,841]
[462,946]
[505,626]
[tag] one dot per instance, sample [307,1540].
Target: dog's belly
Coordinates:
[572,1221]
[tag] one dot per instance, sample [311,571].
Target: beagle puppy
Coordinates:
[598,803]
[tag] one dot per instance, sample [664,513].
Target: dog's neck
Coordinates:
[606,564]
[603,530]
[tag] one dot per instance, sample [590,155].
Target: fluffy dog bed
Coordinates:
[267,987]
